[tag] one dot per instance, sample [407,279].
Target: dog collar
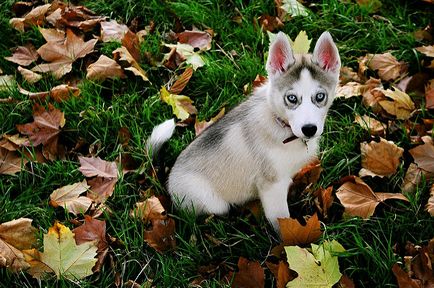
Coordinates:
[282,123]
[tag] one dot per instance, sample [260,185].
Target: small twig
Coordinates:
[8,100]
[230,57]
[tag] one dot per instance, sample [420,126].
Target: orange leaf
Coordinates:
[250,274]
[293,233]
[161,236]
[148,210]
[182,81]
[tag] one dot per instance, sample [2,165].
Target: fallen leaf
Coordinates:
[281,273]
[182,106]
[13,142]
[63,92]
[148,210]
[413,178]
[44,129]
[104,68]
[372,94]
[423,156]
[36,17]
[358,198]
[324,200]
[95,166]
[200,126]
[270,23]
[161,236]
[388,67]
[16,235]
[380,158]
[62,55]
[250,275]
[401,105]
[52,35]
[101,189]
[182,81]
[427,50]
[372,125]
[185,53]
[24,55]
[317,269]
[196,39]
[113,31]
[292,8]
[11,162]
[69,198]
[62,256]
[28,75]
[404,281]
[293,233]
[122,54]
[350,89]
[301,43]
[429,94]
[93,230]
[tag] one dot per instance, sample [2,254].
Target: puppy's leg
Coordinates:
[198,194]
[274,201]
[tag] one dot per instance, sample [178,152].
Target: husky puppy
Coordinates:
[256,149]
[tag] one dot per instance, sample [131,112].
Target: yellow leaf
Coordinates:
[182,106]
[301,43]
[401,106]
[62,256]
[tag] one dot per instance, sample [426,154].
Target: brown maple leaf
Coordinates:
[293,233]
[69,198]
[35,17]
[62,55]
[281,273]
[44,129]
[198,39]
[28,75]
[161,236]
[148,210]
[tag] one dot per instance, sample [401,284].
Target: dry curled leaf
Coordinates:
[423,155]
[161,236]
[69,198]
[372,125]
[16,235]
[430,205]
[197,39]
[101,189]
[113,31]
[122,55]
[427,50]
[148,210]
[401,105]
[28,75]
[358,198]
[104,68]
[380,158]
[388,67]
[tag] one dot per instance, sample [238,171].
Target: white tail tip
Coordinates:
[160,135]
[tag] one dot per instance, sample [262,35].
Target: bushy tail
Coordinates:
[160,134]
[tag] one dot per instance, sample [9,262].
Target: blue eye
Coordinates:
[319,97]
[291,98]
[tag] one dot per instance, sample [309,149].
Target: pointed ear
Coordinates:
[326,53]
[280,56]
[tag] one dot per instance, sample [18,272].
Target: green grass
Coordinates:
[103,108]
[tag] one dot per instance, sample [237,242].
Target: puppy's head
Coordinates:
[302,86]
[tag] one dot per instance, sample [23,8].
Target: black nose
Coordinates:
[309,130]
